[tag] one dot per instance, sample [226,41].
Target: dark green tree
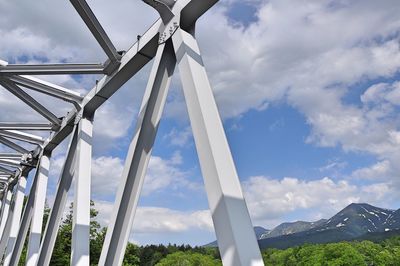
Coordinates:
[131,255]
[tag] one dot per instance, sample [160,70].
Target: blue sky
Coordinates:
[308,92]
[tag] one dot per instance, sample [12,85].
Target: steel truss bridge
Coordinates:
[169,42]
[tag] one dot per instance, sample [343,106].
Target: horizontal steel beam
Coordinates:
[13,145]
[47,88]
[13,163]
[52,69]
[31,102]
[22,136]
[25,126]
[10,156]
[96,29]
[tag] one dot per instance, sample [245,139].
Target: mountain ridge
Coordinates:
[352,222]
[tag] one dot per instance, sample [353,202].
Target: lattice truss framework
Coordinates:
[170,41]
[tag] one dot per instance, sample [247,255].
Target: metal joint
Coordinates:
[169,30]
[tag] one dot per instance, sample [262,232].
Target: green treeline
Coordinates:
[384,253]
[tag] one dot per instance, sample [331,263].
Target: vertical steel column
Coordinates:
[138,157]
[38,211]
[64,184]
[16,218]
[236,239]
[5,211]
[25,222]
[7,227]
[82,178]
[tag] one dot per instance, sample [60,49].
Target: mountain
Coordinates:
[291,228]
[258,230]
[353,222]
[357,221]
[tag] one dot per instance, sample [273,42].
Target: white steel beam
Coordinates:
[33,215]
[52,69]
[31,102]
[5,211]
[6,223]
[46,88]
[163,7]
[22,136]
[7,228]
[24,226]
[12,163]
[13,145]
[138,157]
[38,212]
[18,205]
[192,10]
[10,156]
[25,126]
[80,248]
[97,30]
[235,234]
[64,184]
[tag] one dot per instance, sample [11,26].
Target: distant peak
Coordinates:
[365,205]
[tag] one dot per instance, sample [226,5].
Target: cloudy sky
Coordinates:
[309,92]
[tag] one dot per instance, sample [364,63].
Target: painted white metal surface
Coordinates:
[5,211]
[7,228]
[30,101]
[13,145]
[236,240]
[81,212]
[138,157]
[18,204]
[46,88]
[57,210]
[38,211]
[24,224]
[22,136]
[25,126]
